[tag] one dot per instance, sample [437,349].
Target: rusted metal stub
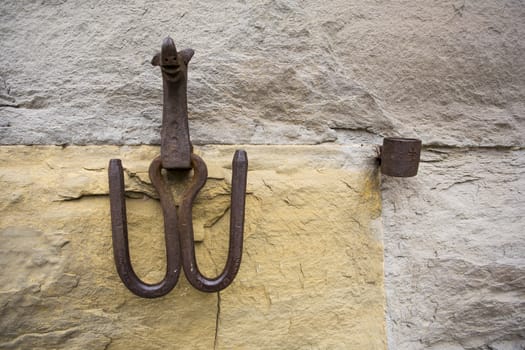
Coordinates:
[238,197]
[175,141]
[120,233]
[400,156]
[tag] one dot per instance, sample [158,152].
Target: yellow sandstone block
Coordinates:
[311,275]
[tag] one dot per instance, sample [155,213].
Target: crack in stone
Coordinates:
[217,218]
[66,198]
[365,129]
[267,185]
[350,186]
[433,146]
[463,181]
[217,320]
[109,343]
[6,105]
[55,336]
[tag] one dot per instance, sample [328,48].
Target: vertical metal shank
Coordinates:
[175,136]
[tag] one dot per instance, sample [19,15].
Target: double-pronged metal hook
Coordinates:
[176,155]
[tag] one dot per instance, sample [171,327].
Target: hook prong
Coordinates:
[238,196]
[119,227]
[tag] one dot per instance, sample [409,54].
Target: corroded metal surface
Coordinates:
[120,232]
[400,156]
[233,262]
[176,155]
[175,146]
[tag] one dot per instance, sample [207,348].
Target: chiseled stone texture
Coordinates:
[266,71]
[450,72]
[312,270]
[455,251]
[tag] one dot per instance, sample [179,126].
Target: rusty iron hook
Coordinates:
[177,155]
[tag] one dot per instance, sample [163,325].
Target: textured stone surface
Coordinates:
[266,71]
[449,72]
[312,271]
[455,252]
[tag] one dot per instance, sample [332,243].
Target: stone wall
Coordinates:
[303,72]
[311,274]
[454,251]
